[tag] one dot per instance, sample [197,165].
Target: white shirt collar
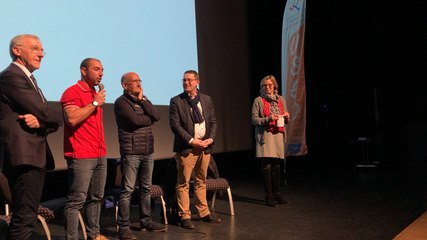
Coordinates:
[28,73]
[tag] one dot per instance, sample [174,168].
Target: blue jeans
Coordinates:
[86,188]
[134,166]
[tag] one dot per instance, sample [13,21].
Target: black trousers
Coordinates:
[26,186]
[272,175]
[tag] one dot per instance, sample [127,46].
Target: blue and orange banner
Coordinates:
[293,77]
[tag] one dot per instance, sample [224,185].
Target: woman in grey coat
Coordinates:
[269,116]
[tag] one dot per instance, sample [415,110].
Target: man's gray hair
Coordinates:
[17,41]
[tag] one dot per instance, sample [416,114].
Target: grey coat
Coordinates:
[267,144]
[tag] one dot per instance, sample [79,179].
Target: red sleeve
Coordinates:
[71,98]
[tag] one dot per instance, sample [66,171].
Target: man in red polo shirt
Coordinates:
[84,149]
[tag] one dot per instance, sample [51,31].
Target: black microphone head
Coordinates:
[101,86]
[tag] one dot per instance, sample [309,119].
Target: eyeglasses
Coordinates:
[188,79]
[34,49]
[134,81]
[268,85]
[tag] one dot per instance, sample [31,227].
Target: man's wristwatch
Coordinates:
[95,103]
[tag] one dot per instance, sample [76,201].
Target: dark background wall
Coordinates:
[365,75]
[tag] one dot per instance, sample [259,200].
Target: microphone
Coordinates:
[101,87]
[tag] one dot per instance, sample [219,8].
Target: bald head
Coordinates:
[129,76]
[131,83]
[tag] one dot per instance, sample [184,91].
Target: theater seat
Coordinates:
[44,213]
[115,175]
[218,184]
[155,192]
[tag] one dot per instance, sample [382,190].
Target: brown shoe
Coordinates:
[99,237]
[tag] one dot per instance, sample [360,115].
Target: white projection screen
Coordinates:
[156,39]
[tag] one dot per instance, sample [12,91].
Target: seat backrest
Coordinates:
[4,189]
[113,173]
[6,195]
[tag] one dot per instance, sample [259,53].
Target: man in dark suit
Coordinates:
[193,122]
[25,122]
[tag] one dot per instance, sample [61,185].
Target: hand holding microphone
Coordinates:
[100,95]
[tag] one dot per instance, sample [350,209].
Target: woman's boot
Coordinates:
[268,187]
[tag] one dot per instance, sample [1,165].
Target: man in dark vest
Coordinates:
[134,116]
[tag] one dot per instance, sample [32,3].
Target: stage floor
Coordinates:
[359,204]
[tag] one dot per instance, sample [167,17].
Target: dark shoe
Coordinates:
[172,212]
[269,201]
[154,227]
[211,219]
[126,234]
[280,200]
[187,224]
[285,182]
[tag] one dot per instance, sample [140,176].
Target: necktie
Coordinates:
[37,87]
